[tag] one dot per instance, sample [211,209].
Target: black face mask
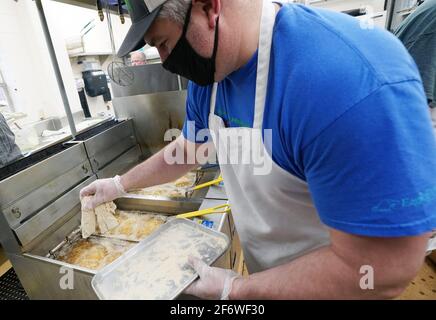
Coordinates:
[187,63]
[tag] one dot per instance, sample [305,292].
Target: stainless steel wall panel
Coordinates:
[153,115]
[105,156]
[33,227]
[36,200]
[149,78]
[122,164]
[42,173]
[105,140]
[42,278]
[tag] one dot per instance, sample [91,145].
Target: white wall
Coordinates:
[340,5]
[69,20]
[66,21]
[373,6]
[25,62]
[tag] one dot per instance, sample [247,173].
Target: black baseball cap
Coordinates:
[142,14]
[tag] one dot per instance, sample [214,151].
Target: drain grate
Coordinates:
[11,288]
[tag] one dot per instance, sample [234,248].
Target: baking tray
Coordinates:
[62,250]
[156,268]
[139,219]
[202,176]
[123,242]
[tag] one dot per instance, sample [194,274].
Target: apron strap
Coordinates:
[213,98]
[265,41]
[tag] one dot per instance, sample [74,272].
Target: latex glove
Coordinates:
[102,191]
[214,283]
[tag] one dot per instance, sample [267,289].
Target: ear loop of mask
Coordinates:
[187,20]
[215,44]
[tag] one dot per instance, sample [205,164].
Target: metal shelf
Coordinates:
[87,54]
[88,4]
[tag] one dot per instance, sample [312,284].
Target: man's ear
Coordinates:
[212,9]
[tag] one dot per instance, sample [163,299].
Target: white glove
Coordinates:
[214,283]
[102,191]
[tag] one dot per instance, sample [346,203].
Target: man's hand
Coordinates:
[214,283]
[102,191]
[153,171]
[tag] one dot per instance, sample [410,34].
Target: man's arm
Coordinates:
[157,170]
[333,272]
[153,171]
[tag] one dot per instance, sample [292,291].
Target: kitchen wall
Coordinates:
[25,61]
[67,21]
[375,7]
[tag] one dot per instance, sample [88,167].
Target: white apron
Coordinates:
[274,213]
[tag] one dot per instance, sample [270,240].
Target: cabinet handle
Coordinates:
[16,212]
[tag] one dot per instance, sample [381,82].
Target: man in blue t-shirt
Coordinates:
[347,204]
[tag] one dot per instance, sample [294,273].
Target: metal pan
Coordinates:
[202,176]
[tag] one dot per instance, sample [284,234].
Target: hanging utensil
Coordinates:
[100,10]
[120,11]
[117,70]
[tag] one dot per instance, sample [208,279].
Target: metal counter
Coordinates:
[40,203]
[42,276]
[40,207]
[30,199]
[112,151]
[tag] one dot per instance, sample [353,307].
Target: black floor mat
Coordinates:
[11,288]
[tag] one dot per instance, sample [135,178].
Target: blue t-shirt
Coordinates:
[348,115]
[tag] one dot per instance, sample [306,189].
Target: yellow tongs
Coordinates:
[204,185]
[224,208]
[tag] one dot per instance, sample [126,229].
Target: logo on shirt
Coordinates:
[231,121]
[419,200]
